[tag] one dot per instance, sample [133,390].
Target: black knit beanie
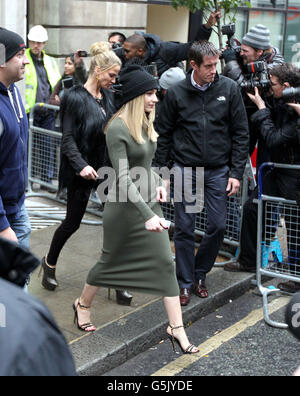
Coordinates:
[135,81]
[12,43]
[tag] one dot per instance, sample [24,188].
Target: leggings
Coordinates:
[76,206]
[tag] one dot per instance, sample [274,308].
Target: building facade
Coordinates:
[13,17]
[74,24]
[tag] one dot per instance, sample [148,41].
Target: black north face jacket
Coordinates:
[204,129]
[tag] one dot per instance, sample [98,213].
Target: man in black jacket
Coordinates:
[203,123]
[167,54]
[278,128]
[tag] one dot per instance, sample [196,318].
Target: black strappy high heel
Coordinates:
[173,339]
[84,326]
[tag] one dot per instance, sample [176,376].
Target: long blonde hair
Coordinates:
[103,57]
[134,116]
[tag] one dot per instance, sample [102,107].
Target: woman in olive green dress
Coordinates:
[136,251]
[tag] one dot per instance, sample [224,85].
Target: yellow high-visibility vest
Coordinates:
[31,80]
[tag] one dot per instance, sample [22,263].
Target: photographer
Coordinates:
[255,47]
[165,54]
[116,39]
[278,129]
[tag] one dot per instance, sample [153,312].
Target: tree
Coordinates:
[228,7]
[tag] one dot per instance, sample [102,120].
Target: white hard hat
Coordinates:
[38,33]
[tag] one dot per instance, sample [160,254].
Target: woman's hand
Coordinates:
[257,99]
[155,224]
[296,107]
[89,173]
[161,194]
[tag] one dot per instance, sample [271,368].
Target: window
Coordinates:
[269,3]
[292,40]
[274,21]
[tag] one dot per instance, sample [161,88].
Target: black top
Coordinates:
[83,120]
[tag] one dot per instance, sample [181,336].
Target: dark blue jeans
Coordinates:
[20,223]
[191,268]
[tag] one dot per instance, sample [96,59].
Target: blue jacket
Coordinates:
[13,153]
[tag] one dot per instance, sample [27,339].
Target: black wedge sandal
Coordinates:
[173,339]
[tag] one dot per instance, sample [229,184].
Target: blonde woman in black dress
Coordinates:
[136,254]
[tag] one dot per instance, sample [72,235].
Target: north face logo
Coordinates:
[221,99]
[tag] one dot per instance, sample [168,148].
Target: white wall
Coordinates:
[13,17]
[169,24]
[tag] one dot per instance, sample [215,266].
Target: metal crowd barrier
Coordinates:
[234,215]
[43,166]
[278,242]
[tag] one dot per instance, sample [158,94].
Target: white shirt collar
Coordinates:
[200,87]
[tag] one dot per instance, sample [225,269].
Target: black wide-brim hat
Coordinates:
[135,81]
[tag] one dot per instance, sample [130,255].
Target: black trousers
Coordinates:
[277,184]
[76,206]
[189,267]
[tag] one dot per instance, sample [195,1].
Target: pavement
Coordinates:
[122,332]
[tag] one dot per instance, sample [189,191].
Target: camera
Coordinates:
[67,82]
[119,50]
[152,69]
[259,77]
[116,46]
[291,95]
[229,31]
[82,54]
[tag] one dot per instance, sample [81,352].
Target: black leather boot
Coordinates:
[49,281]
[123,297]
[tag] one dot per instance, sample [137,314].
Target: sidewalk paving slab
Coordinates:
[122,332]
